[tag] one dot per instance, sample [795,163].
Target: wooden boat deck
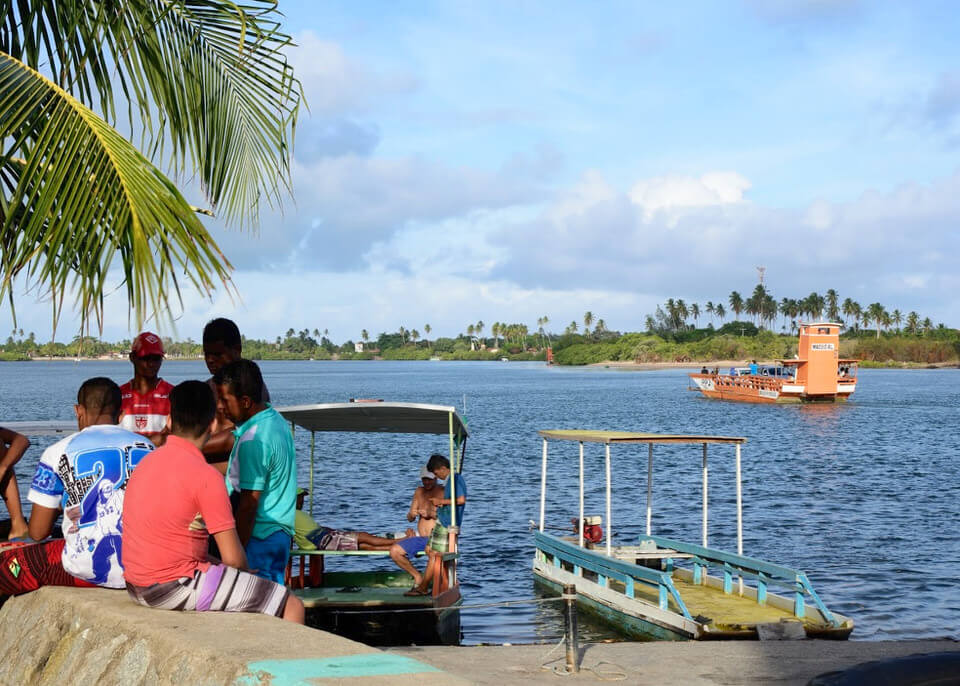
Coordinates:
[367,596]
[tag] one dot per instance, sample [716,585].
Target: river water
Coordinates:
[863,496]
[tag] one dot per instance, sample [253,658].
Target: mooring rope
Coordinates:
[501,603]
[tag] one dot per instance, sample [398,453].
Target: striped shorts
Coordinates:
[219,589]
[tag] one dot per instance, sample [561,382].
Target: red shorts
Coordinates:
[28,566]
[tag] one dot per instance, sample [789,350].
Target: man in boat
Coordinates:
[85,475]
[146,397]
[12,448]
[175,502]
[421,506]
[262,467]
[439,537]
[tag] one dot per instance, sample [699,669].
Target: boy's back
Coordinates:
[174,501]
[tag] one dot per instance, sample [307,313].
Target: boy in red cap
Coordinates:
[146,397]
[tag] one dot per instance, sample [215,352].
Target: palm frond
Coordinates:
[207,78]
[77,196]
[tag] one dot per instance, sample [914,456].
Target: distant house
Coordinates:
[358,347]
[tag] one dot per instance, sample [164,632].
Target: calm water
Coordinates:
[863,496]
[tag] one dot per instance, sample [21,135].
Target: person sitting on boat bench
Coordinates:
[439,537]
[175,501]
[421,506]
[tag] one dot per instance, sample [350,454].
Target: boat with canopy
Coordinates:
[358,604]
[662,588]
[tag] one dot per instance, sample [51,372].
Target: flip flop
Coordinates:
[415,591]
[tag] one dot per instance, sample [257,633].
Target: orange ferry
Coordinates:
[816,375]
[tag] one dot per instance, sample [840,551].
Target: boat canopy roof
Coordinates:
[52,427]
[398,418]
[614,437]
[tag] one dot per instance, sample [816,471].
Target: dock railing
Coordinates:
[764,573]
[607,568]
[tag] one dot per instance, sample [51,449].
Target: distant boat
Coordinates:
[435,359]
[504,359]
[816,375]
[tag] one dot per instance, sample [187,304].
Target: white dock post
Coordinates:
[649,488]
[609,522]
[704,495]
[543,484]
[580,526]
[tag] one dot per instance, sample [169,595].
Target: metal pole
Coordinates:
[543,485]
[313,440]
[580,525]
[609,519]
[649,488]
[570,628]
[739,514]
[705,483]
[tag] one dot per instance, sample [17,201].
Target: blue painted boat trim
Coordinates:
[302,672]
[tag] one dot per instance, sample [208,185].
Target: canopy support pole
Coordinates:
[543,485]
[739,513]
[580,523]
[705,486]
[609,520]
[313,439]
[649,488]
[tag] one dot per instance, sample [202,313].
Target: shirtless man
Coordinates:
[12,448]
[422,506]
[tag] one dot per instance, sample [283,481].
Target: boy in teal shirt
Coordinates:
[262,467]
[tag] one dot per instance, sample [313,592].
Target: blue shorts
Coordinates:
[413,545]
[267,557]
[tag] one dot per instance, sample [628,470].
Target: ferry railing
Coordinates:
[741,565]
[609,568]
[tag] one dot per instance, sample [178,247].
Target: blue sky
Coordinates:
[505,161]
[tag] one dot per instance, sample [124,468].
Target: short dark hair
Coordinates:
[437,460]
[222,330]
[242,377]
[192,408]
[100,395]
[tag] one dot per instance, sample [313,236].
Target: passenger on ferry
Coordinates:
[222,344]
[421,506]
[176,502]
[146,397]
[12,448]
[262,467]
[85,475]
[439,537]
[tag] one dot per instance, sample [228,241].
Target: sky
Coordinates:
[505,161]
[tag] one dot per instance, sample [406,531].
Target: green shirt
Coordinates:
[263,459]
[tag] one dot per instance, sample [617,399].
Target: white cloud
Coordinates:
[670,192]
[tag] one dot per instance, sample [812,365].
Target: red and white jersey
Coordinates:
[145,414]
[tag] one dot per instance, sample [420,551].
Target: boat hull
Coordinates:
[764,390]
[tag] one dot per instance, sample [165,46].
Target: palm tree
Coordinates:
[587,321]
[833,312]
[897,319]
[710,310]
[479,328]
[876,312]
[720,312]
[365,335]
[913,322]
[736,304]
[850,309]
[208,85]
[414,335]
[695,313]
[572,328]
[427,330]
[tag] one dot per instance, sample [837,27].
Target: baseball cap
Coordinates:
[427,474]
[147,344]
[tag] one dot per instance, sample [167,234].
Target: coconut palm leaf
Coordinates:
[78,195]
[207,82]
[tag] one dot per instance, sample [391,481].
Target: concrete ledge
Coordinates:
[66,635]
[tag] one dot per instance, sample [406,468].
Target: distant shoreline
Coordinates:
[726,364]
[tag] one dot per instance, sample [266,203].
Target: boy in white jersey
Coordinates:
[85,475]
[145,399]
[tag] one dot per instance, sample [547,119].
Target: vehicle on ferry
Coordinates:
[665,589]
[359,604]
[817,374]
